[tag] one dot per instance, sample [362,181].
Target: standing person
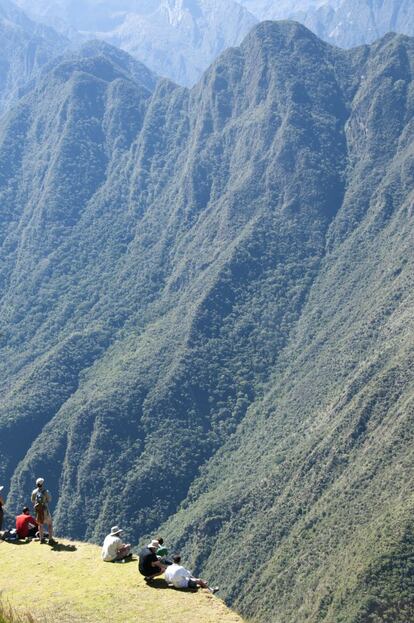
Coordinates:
[113,548]
[26,525]
[149,566]
[40,500]
[180,577]
[1,508]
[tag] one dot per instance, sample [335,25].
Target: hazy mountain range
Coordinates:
[25,47]
[206,315]
[345,23]
[180,38]
[175,38]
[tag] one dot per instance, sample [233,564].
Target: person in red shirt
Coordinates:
[26,525]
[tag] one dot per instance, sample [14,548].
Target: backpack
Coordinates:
[39,499]
[40,505]
[9,535]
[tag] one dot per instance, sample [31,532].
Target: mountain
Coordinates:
[346,23]
[26,47]
[312,497]
[206,315]
[175,38]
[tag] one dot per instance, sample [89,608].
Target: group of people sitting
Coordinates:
[27,526]
[153,561]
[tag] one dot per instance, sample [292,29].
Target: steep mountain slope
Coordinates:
[148,240]
[25,48]
[346,23]
[216,282]
[175,38]
[321,529]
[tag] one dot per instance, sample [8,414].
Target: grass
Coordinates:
[9,615]
[69,582]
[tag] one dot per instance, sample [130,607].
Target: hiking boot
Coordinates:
[52,542]
[42,541]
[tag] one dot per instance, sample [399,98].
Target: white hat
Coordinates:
[116,530]
[40,481]
[1,488]
[154,543]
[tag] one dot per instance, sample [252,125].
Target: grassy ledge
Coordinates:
[69,582]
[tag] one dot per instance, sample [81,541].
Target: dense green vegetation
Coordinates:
[206,315]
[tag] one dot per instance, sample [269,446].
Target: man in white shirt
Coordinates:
[180,577]
[113,548]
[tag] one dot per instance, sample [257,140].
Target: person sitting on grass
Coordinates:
[113,549]
[149,566]
[162,552]
[180,577]
[26,525]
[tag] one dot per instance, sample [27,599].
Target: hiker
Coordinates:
[26,525]
[180,577]
[40,500]
[1,508]
[161,550]
[149,566]
[113,549]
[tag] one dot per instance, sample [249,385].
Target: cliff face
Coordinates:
[216,281]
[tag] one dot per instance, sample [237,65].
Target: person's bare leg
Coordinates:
[50,531]
[41,532]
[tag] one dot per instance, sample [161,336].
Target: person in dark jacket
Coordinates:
[149,565]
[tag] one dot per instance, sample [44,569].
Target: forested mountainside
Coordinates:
[346,23]
[175,38]
[206,315]
[25,48]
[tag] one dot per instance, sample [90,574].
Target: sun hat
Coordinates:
[40,481]
[154,543]
[116,530]
[1,487]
